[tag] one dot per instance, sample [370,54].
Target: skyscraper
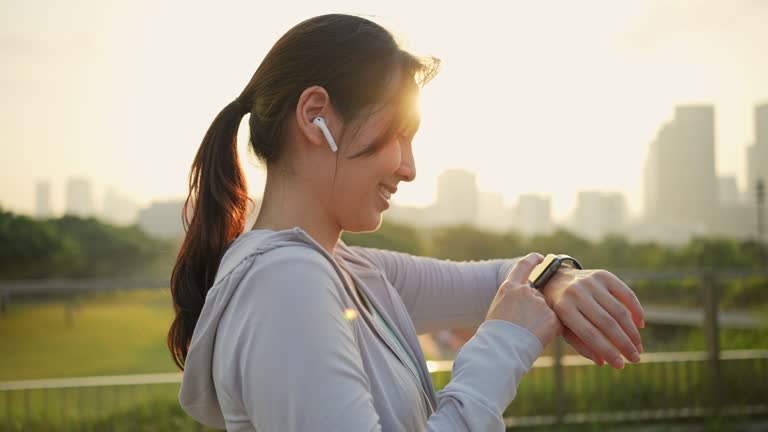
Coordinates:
[491,212]
[163,219]
[79,197]
[533,215]
[680,183]
[457,198]
[118,209]
[728,190]
[757,153]
[43,200]
[599,213]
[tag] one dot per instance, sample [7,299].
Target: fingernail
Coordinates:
[618,363]
[634,357]
[640,347]
[642,323]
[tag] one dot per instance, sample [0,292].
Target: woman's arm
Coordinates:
[441,294]
[600,313]
[301,368]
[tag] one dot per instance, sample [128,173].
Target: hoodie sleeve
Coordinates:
[441,294]
[301,370]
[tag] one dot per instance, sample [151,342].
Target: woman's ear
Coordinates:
[313,102]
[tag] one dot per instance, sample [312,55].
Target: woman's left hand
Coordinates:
[600,314]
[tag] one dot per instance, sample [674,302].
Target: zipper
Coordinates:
[381,334]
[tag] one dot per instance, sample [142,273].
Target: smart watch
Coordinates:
[543,272]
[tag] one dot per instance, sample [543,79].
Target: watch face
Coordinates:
[544,271]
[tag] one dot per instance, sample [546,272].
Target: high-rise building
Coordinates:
[680,184]
[598,214]
[118,209]
[491,212]
[533,215]
[757,153]
[457,198]
[735,218]
[79,198]
[163,219]
[728,190]
[761,125]
[43,200]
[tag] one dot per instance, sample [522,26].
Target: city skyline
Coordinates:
[573,109]
[684,143]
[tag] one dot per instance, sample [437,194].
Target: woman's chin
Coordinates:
[370,224]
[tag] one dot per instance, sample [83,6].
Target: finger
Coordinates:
[581,347]
[621,314]
[523,268]
[560,327]
[586,331]
[601,319]
[625,295]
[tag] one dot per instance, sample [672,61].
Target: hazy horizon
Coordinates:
[121,94]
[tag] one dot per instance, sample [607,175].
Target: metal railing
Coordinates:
[662,386]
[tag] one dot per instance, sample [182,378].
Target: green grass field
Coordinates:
[124,333]
[108,334]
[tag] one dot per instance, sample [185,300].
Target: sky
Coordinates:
[534,97]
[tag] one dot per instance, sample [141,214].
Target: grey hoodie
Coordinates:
[283,344]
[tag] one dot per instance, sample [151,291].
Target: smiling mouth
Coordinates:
[385,193]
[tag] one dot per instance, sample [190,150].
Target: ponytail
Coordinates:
[218,199]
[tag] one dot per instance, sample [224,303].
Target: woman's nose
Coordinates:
[407,168]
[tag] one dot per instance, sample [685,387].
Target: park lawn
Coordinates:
[124,333]
[110,334]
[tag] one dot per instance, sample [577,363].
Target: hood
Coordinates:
[197,395]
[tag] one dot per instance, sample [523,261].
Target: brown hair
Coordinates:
[353,59]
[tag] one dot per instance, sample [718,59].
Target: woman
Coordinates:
[286,328]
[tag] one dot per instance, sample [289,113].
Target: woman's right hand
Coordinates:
[520,304]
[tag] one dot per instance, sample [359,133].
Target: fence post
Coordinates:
[5,300]
[712,337]
[557,356]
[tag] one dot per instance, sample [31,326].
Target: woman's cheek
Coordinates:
[394,155]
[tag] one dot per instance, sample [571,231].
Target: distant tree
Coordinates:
[752,255]
[75,247]
[110,250]
[464,243]
[392,236]
[613,251]
[649,256]
[34,249]
[565,242]
[709,253]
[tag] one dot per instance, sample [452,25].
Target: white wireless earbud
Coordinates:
[320,122]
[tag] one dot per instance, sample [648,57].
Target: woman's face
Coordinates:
[365,184]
